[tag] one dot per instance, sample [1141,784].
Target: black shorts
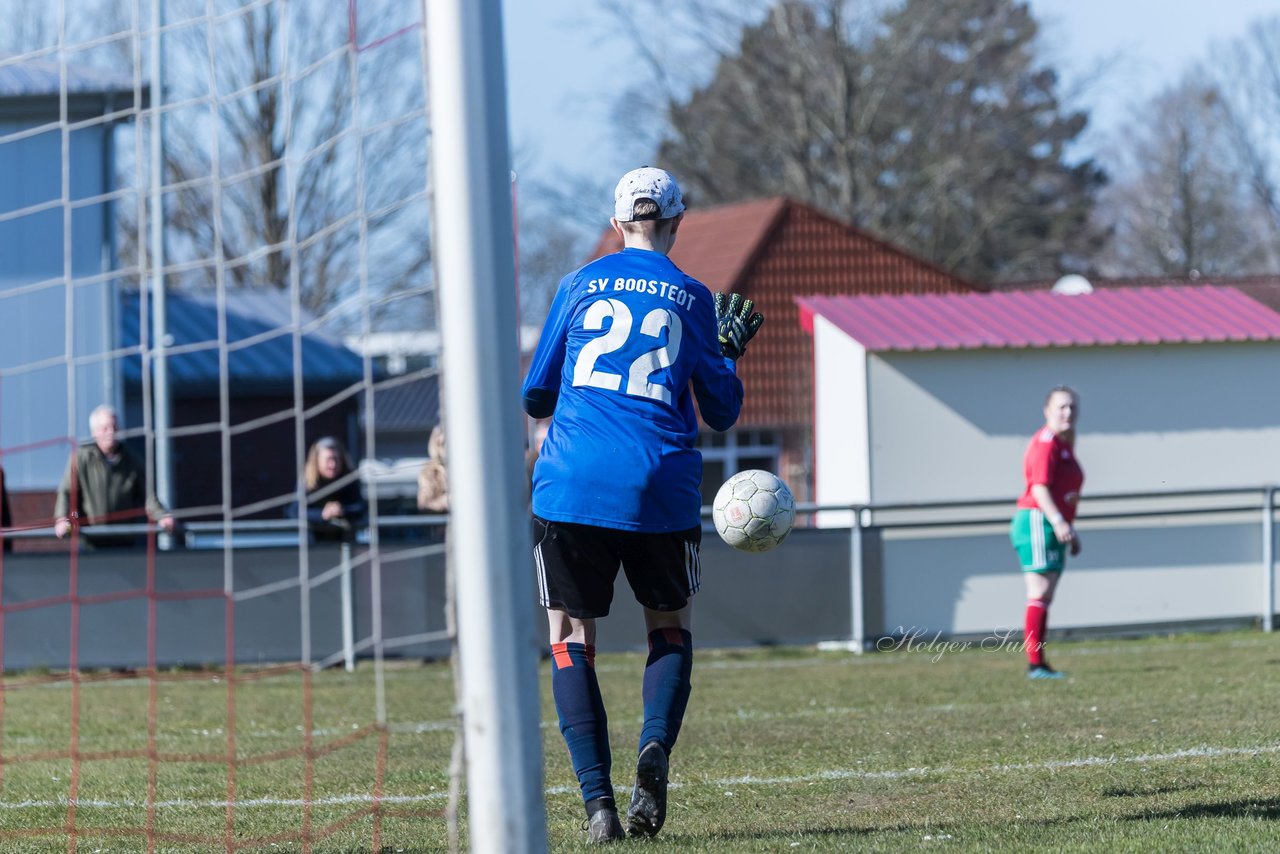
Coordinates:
[577,565]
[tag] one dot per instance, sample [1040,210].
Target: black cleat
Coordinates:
[604,826]
[649,797]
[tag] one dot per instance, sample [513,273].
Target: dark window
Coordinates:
[713,475]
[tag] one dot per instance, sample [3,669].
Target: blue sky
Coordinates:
[564,69]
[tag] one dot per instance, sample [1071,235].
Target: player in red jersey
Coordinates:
[1043,527]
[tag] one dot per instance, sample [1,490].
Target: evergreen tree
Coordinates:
[932,126]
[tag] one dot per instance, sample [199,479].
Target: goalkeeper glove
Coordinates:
[736,324]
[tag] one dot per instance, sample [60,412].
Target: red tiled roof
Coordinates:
[716,245]
[773,250]
[1140,315]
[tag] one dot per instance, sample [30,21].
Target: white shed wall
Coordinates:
[1143,572]
[841,449]
[953,425]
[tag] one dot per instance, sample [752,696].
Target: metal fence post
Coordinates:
[857,612]
[348,617]
[1268,558]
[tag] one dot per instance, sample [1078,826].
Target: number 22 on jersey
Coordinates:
[654,359]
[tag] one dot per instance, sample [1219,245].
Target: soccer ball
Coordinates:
[754,511]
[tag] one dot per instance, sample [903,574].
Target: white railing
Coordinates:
[1096,510]
[1225,522]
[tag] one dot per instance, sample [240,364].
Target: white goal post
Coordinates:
[475,274]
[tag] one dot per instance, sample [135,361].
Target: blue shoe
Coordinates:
[1044,671]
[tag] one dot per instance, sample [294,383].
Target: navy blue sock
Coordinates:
[666,685]
[583,722]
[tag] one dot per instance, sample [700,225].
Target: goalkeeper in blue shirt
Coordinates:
[629,342]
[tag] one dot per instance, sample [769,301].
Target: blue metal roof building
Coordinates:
[57,291]
[260,346]
[265,460]
[65,306]
[405,413]
[90,91]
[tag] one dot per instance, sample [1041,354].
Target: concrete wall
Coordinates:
[953,425]
[1154,574]
[191,630]
[796,594]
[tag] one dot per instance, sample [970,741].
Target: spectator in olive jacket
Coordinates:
[105,485]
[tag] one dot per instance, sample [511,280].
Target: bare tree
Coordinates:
[1247,72]
[26,31]
[552,250]
[557,232]
[930,124]
[1181,203]
[300,154]
[295,140]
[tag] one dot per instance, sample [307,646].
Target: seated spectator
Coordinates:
[335,507]
[433,484]
[433,479]
[6,518]
[106,485]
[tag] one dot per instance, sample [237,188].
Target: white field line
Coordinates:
[1065,648]
[749,780]
[816,660]
[219,734]
[1068,648]
[407,728]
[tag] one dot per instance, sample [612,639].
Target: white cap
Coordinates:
[647,182]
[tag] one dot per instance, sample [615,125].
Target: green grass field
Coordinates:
[1161,744]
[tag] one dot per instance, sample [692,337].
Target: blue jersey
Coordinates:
[627,338]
